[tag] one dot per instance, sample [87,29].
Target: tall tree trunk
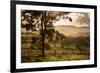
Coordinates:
[43,34]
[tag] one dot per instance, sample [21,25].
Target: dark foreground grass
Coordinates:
[51,55]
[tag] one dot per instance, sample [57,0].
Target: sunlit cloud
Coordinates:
[78,20]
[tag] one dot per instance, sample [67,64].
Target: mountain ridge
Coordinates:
[72,30]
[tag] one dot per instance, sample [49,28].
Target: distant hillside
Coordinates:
[73,31]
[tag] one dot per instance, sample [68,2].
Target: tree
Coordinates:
[42,21]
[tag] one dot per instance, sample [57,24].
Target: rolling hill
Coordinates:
[73,31]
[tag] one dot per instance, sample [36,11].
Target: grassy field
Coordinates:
[54,55]
[57,49]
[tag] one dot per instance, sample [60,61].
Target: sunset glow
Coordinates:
[76,20]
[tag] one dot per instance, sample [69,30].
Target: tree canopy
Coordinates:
[42,21]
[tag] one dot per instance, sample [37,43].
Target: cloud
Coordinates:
[81,18]
[78,20]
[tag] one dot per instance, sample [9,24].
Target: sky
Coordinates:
[78,20]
